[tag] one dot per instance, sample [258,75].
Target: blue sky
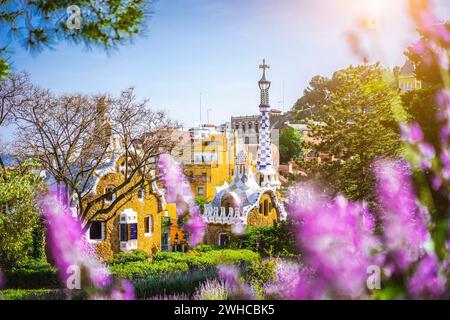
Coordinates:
[214,47]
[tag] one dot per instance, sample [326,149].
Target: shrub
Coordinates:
[32,274]
[133,256]
[166,285]
[142,269]
[261,272]
[206,247]
[211,289]
[277,240]
[207,259]
[34,294]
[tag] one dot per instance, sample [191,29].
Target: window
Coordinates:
[247,140]
[148,225]
[96,231]
[141,194]
[123,232]
[110,196]
[128,231]
[224,239]
[200,191]
[266,207]
[133,231]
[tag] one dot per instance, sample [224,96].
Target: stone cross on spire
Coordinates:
[264,66]
[264,85]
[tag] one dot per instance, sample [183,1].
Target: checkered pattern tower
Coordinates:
[266,174]
[264,151]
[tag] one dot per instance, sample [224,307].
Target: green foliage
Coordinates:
[140,269]
[19,217]
[259,273]
[290,145]
[104,23]
[422,108]
[4,69]
[32,294]
[206,247]
[201,201]
[277,240]
[133,256]
[165,263]
[32,274]
[208,258]
[357,124]
[185,283]
[426,69]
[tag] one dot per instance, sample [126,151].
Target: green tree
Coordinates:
[42,23]
[290,145]
[426,69]
[358,124]
[19,217]
[201,201]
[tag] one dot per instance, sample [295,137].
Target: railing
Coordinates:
[221,216]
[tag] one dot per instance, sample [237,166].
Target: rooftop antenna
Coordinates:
[207,114]
[200,109]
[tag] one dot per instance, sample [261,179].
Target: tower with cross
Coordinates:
[266,174]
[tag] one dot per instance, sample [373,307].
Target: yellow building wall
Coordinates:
[174,228]
[148,206]
[256,218]
[215,173]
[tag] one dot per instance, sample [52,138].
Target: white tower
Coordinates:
[266,174]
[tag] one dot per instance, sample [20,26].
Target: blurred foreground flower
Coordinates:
[178,191]
[404,220]
[336,237]
[78,267]
[237,288]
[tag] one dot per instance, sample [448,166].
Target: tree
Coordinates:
[425,60]
[201,201]
[314,96]
[290,145]
[13,92]
[76,137]
[40,24]
[357,126]
[19,217]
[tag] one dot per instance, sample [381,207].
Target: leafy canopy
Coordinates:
[40,24]
[356,124]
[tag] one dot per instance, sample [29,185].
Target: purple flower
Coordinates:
[333,231]
[404,221]
[231,277]
[179,192]
[428,280]
[411,133]
[292,282]
[124,291]
[443,101]
[196,227]
[72,253]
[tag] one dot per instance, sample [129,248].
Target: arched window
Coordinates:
[266,207]
[110,195]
